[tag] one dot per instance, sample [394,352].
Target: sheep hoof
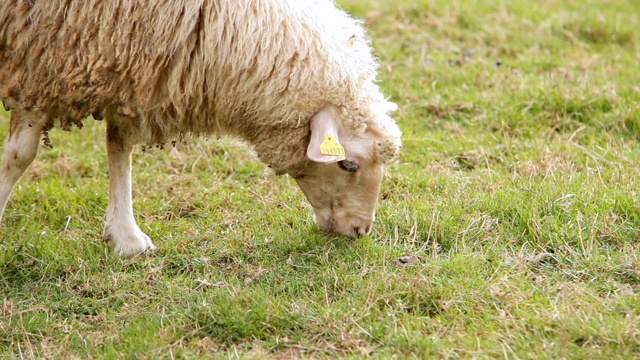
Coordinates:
[128,242]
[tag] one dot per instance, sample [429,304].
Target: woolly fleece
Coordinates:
[164,70]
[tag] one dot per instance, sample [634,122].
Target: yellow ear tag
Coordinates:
[330,146]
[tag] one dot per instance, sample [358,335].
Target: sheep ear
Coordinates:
[325,144]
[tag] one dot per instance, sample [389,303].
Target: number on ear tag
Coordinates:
[330,146]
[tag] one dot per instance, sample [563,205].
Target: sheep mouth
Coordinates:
[326,225]
[329,226]
[350,226]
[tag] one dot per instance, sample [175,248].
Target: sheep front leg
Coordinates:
[121,230]
[20,149]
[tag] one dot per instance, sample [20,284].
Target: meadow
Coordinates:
[508,228]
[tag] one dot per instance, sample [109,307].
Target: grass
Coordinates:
[509,228]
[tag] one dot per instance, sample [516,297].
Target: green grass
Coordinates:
[514,208]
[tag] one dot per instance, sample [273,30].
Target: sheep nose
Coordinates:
[353,227]
[362,229]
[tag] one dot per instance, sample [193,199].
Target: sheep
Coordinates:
[296,80]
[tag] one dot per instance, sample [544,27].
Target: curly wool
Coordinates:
[168,69]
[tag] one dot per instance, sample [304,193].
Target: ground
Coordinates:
[509,227]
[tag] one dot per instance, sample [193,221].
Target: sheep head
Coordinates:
[343,186]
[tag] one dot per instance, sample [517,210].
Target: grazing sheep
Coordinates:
[295,79]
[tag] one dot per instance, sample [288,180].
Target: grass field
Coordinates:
[509,227]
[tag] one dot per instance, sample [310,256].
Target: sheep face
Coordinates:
[343,198]
[342,179]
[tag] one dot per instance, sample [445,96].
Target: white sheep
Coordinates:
[295,79]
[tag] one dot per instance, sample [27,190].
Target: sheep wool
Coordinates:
[165,70]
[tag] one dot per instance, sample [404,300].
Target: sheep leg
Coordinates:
[20,149]
[121,230]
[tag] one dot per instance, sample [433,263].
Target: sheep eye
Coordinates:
[348,165]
